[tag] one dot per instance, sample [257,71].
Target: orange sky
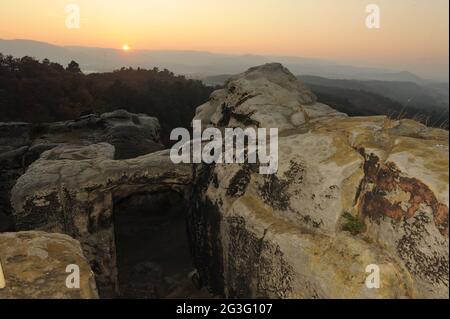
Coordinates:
[412,33]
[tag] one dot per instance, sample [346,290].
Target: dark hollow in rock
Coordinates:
[153,254]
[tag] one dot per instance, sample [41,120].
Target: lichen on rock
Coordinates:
[349,192]
[35,263]
[285,235]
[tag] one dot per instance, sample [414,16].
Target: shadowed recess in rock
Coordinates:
[153,254]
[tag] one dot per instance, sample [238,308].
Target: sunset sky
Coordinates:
[413,33]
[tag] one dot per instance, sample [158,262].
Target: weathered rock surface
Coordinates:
[349,192]
[34,264]
[73,189]
[265,96]
[21,144]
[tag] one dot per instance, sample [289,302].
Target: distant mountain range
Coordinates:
[354,90]
[193,63]
[407,93]
[427,102]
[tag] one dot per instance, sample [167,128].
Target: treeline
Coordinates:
[43,91]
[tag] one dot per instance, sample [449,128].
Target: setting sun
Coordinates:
[125,47]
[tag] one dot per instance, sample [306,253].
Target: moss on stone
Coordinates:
[352,224]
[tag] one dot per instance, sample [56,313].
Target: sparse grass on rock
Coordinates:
[352,224]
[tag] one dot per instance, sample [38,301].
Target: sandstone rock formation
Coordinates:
[349,192]
[73,189]
[34,264]
[266,96]
[22,143]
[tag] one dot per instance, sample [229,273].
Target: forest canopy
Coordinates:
[43,91]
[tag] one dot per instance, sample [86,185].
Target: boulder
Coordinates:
[131,134]
[34,266]
[265,96]
[21,144]
[350,192]
[72,190]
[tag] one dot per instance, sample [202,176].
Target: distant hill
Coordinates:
[407,93]
[363,103]
[378,95]
[192,63]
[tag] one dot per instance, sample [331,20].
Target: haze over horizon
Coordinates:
[413,35]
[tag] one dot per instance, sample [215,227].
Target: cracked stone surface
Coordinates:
[72,190]
[69,152]
[22,143]
[281,235]
[349,192]
[34,264]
